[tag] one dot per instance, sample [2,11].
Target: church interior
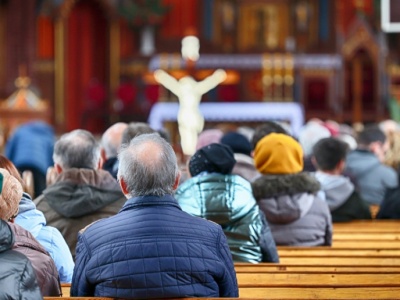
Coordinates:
[90,63]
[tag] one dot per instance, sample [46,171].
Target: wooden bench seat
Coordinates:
[366,236]
[342,261]
[278,267]
[328,251]
[296,293]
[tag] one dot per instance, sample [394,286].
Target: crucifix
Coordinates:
[189,93]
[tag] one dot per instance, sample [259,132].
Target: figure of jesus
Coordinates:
[189,93]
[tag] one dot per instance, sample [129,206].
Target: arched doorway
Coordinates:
[86,67]
[361,90]
[363,68]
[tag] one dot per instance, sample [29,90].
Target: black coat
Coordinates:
[17,278]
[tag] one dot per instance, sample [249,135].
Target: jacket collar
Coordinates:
[269,186]
[135,202]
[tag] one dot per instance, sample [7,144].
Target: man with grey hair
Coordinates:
[82,192]
[111,140]
[151,248]
[134,129]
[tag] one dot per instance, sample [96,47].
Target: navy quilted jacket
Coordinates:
[152,249]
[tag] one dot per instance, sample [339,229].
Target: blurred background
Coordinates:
[89,63]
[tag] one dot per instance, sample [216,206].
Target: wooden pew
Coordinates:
[366,244]
[285,251]
[367,226]
[366,236]
[342,261]
[279,267]
[288,292]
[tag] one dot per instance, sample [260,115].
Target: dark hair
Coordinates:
[7,164]
[328,152]
[263,130]
[371,134]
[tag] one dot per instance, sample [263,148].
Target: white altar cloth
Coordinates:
[234,112]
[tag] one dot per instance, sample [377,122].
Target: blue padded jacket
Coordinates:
[152,249]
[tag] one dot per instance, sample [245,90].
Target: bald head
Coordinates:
[112,139]
[148,166]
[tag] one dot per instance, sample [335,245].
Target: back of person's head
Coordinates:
[213,158]
[310,134]
[263,130]
[10,195]
[388,126]
[5,163]
[392,155]
[77,149]
[209,136]
[371,134]
[135,129]
[148,166]
[112,138]
[278,153]
[238,143]
[329,152]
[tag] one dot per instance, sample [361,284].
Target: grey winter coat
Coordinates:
[373,178]
[295,214]
[228,201]
[78,198]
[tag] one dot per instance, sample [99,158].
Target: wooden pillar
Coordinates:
[21,25]
[114,45]
[357,90]
[59,102]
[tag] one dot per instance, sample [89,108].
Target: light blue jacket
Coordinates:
[49,237]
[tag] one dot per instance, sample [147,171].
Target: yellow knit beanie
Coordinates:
[278,153]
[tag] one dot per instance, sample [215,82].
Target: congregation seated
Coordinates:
[151,248]
[338,191]
[24,242]
[213,193]
[82,192]
[17,277]
[34,221]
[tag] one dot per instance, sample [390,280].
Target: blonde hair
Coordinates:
[392,156]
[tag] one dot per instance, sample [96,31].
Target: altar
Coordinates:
[290,112]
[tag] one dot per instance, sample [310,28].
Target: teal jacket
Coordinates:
[228,201]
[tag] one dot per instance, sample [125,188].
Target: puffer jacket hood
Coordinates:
[27,207]
[336,189]
[296,215]
[18,279]
[6,237]
[79,192]
[285,198]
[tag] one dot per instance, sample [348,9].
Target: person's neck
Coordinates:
[331,172]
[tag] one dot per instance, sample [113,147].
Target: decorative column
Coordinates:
[21,24]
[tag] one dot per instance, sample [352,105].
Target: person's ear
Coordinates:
[341,165]
[123,186]
[314,162]
[176,183]
[103,154]
[100,163]
[58,168]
